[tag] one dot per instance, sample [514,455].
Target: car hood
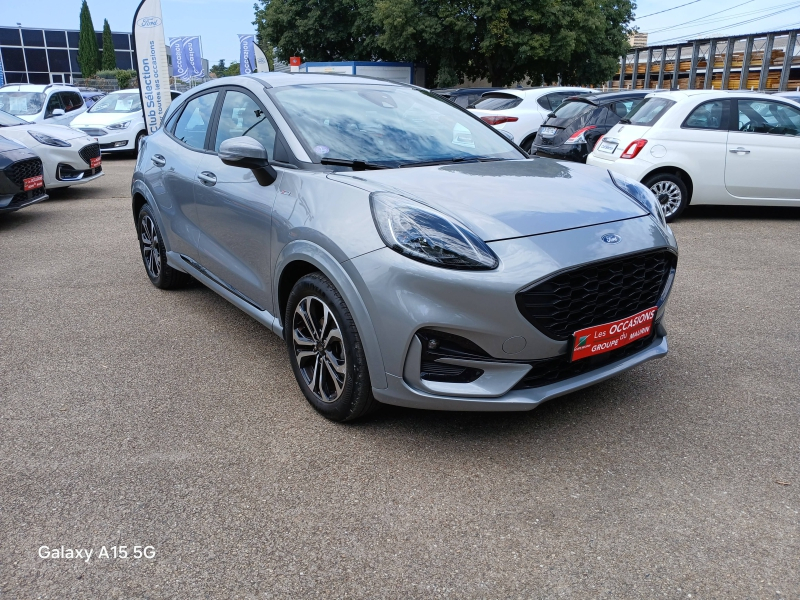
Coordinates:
[20,132]
[507,199]
[90,119]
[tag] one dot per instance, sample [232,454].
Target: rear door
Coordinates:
[234,210]
[763,158]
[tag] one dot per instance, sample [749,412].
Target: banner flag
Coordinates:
[247,63]
[262,64]
[180,67]
[2,73]
[193,55]
[151,62]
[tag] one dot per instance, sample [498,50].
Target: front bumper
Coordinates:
[404,297]
[21,200]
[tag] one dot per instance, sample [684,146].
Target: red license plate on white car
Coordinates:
[95,162]
[611,336]
[31,183]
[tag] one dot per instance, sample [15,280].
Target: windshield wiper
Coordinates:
[356,165]
[447,161]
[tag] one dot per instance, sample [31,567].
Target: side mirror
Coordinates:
[57,112]
[247,153]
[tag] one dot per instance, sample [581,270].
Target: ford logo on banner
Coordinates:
[611,238]
[145,22]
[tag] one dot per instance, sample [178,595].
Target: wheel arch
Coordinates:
[678,172]
[301,257]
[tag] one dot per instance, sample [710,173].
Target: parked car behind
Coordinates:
[54,104]
[520,112]
[69,156]
[21,178]
[708,147]
[91,96]
[572,129]
[464,97]
[116,122]
[440,268]
[794,96]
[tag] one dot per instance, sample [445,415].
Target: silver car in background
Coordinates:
[407,253]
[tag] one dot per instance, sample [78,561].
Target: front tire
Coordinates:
[139,138]
[671,192]
[154,253]
[325,350]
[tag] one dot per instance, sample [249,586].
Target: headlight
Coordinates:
[426,235]
[123,125]
[47,140]
[641,194]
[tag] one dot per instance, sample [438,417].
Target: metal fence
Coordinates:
[762,61]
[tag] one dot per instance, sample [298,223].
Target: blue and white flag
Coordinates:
[247,57]
[180,67]
[193,55]
[151,62]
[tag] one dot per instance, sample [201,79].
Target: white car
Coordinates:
[54,104]
[519,113]
[69,156]
[708,147]
[116,121]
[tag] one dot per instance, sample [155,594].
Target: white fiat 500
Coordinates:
[708,147]
[69,156]
[116,121]
[519,113]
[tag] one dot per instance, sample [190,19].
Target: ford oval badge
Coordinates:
[146,22]
[611,238]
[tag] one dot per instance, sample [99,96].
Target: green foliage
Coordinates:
[219,68]
[106,74]
[109,58]
[124,78]
[233,69]
[261,37]
[576,41]
[88,54]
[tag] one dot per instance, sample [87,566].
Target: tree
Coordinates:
[261,36]
[504,41]
[109,58]
[88,54]
[219,68]
[233,69]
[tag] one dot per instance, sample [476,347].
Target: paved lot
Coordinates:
[132,416]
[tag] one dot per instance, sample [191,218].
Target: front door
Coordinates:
[763,155]
[234,211]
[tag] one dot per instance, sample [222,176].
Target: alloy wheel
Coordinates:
[319,349]
[669,195]
[151,247]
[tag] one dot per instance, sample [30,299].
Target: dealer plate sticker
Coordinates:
[610,336]
[95,162]
[607,146]
[549,131]
[31,183]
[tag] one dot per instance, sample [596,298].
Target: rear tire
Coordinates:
[325,350]
[154,253]
[527,143]
[671,192]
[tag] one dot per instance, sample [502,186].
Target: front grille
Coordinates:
[18,172]
[553,370]
[596,293]
[89,152]
[93,131]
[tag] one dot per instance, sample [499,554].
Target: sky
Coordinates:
[219,21]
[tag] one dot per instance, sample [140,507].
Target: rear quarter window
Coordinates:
[571,109]
[649,111]
[498,102]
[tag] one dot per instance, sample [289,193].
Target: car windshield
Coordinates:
[7,120]
[118,103]
[21,103]
[387,125]
[649,111]
[572,108]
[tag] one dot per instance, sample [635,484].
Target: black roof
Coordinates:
[609,97]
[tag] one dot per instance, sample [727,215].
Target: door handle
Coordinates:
[158,160]
[208,178]
[740,150]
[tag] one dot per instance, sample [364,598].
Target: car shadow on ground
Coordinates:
[740,212]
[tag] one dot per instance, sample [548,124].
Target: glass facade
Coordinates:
[51,55]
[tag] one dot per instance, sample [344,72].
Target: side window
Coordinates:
[240,116]
[192,125]
[71,100]
[710,115]
[53,103]
[764,116]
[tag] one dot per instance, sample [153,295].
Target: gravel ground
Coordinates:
[136,417]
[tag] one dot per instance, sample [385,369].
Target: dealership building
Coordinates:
[45,56]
